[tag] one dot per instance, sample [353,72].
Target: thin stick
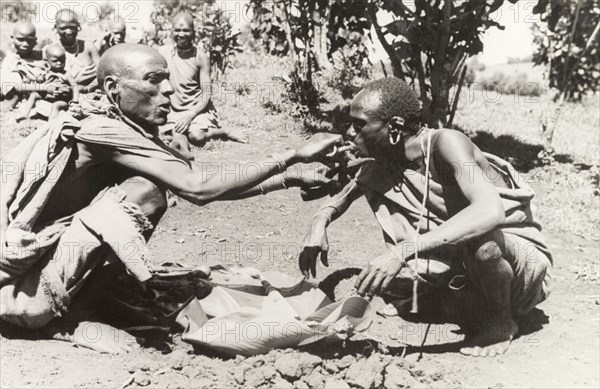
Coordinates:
[423,342]
[383,68]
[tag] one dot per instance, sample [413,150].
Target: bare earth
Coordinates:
[560,348]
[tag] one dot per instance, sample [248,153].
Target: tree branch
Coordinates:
[389,49]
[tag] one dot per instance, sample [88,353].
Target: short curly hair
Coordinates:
[396,99]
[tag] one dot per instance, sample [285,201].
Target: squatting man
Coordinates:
[431,192]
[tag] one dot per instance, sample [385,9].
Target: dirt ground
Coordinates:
[559,346]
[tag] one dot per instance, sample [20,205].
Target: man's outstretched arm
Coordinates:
[219,182]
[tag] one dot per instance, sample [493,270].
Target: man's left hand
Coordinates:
[307,178]
[183,125]
[376,277]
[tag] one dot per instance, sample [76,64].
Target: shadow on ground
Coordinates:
[522,155]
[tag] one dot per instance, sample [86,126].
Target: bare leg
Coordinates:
[57,106]
[9,102]
[181,144]
[199,137]
[492,275]
[80,326]
[24,114]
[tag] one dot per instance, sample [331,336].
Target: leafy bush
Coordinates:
[309,33]
[347,75]
[565,41]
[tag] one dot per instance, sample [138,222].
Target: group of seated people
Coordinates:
[62,76]
[447,211]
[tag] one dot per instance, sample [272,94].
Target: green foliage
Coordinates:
[268,27]
[213,29]
[345,78]
[564,43]
[311,33]
[428,43]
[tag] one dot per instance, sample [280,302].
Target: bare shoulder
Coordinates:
[453,146]
[450,139]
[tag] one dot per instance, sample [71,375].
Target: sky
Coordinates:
[514,41]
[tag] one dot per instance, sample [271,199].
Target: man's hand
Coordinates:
[56,90]
[377,276]
[317,146]
[315,243]
[75,109]
[183,125]
[52,90]
[306,178]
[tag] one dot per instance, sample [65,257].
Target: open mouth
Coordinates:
[352,156]
[349,154]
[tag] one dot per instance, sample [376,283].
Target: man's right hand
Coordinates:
[317,146]
[315,243]
[55,90]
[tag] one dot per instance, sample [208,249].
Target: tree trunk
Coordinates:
[282,7]
[439,74]
[320,30]
[389,49]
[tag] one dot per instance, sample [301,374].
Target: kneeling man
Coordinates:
[76,195]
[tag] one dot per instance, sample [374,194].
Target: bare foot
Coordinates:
[493,340]
[237,136]
[94,335]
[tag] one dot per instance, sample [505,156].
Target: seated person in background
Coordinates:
[193,117]
[81,56]
[23,70]
[436,194]
[116,34]
[50,105]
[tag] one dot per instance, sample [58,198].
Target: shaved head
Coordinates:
[66,15]
[122,60]
[23,29]
[183,31]
[135,78]
[67,26]
[24,38]
[55,50]
[185,18]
